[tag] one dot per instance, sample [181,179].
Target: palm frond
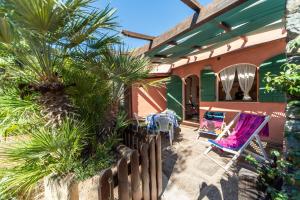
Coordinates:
[6,31]
[123,69]
[50,30]
[17,115]
[46,151]
[87,25]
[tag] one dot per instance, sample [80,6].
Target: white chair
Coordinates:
[241,150]
[165,124]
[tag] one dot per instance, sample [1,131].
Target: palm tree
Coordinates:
[62,54]
[42,35]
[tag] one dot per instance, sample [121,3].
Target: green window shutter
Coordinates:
[208,85]
[174,95]
[272,65]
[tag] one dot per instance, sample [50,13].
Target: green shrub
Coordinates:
[44,151]
[272,175]
[18,115]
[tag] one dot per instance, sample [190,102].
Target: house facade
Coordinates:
[228,77]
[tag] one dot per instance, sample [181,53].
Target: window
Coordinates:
[238,83]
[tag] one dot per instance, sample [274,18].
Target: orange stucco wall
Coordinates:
[153,100]
[148,100]
[253,55]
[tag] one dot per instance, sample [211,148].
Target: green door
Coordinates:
[174,95]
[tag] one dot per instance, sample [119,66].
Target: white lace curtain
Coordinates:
[246,74]
[227,77]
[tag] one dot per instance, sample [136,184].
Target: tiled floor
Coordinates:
[189,174]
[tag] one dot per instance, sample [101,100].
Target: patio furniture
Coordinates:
[248,128]
[173,116]
[165,124]
[150,120]
[212,123]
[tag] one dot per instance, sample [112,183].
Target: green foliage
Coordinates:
[101,159]
[272,175]
[293,46]
[49,31]
[289,81]
[88,92]
[103,156]
[17,115]
[289,78]
[64,42]
[119,68]
[44,151]
[121,122]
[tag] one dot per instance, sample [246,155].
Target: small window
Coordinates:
[238,83]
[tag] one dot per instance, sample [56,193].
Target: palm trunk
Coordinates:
[292,125]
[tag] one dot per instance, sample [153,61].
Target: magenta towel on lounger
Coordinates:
[246,126]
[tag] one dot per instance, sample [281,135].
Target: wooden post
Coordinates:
[125,138]
[137,35]
[135,176]
[153,184]
[145,171]
[129,139]
[158,165]
[193,4]
[106,185]
[123,189]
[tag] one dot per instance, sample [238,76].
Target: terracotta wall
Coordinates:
[253,55]
[153,100]
[150,100]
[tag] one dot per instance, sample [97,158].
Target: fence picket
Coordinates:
[144,185]
[123,189]
[145,171]
[135,176]
[106,185]
[153,184]
[158,165]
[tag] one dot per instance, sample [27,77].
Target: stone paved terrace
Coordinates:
[189,175]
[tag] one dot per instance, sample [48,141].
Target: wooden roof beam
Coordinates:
[245,38]
[173,43]
[156,62]
[184,57]
[225,26]
[137,35]
[160,56]
[207,14]
[198,47]
[193,4]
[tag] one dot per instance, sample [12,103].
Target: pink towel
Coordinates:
[246,126]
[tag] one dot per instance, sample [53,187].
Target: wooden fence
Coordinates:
[136,178]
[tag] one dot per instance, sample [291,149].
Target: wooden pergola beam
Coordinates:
[207,14]
[172,42]
[245,38]
[137,35]
[160,56]
[197,47]
[184,57]
[225,26]
[156,62]
[193,4]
